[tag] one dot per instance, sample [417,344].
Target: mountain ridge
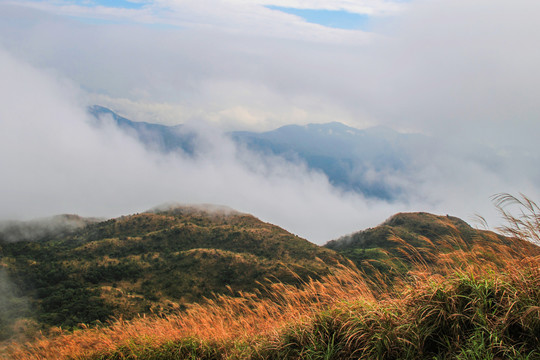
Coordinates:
[349,157]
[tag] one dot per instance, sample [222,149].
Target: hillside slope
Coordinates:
[150,262]
[410,239]
[159,261]
[482,304]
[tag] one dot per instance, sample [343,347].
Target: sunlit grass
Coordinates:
[479,301]
[461,311]
[229,323]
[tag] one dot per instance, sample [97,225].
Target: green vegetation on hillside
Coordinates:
[477,313]
[152,262]
[407,239]
[455,293]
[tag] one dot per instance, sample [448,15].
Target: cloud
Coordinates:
[12,305]
[457,67]
[58,163]
[205,73]
[368,7]
[465,73]
[235,17]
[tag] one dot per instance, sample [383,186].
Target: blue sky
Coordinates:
[112,3]
[338,19]
[332,14]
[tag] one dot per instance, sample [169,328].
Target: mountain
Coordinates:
[155,136]
[352,159]
[156,261]
[411,239]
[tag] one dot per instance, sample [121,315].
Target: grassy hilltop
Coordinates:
[408,240]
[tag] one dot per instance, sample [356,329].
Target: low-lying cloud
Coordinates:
[464,73]
[58,162]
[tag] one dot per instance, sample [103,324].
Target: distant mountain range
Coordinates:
[352,159]
[155,136]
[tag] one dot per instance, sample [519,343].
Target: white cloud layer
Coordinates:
[57,162]
[463,72]
[233,17]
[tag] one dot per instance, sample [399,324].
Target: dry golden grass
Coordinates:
[246,317]
[360,308]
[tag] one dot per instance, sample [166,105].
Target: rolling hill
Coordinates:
[425,286]
[156,261]
[406,240]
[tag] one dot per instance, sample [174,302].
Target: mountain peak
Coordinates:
[210,209]
[325,129]
[423,219]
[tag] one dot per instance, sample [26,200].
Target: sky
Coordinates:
[465,73]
